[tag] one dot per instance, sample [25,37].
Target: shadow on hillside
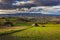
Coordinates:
[10,37]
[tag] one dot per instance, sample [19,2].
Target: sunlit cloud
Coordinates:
[23,2]
[46,9]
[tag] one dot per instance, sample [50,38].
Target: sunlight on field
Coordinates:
[50,32]
[39,33]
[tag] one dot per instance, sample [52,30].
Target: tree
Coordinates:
[8,23]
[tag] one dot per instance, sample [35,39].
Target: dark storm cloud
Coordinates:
[37,2]
[8,3]
[47,2]
[40,3]
[44,2]
[26,4]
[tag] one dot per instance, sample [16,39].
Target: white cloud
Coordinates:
[46,9]
[53,10]
[22,2]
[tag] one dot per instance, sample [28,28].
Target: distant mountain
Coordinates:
[26,15]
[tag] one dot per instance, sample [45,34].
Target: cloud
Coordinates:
[31,3]
[47,2]
[36,2]
[46,9]
[19,3]
[44,2]
[52,10]
[27,4]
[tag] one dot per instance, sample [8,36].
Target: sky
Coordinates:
[52,3]
[46,10]
[36,2]
[43,2]
[53,9]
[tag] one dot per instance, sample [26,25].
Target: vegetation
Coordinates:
[27,20]
[23,29]
[8,30]
[50,32]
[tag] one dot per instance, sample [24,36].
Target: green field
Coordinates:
[50,32]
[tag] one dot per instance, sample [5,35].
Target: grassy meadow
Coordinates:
[23,30]
[50,32]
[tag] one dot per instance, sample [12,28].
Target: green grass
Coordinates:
[23,24]
[6,30]
[50,32]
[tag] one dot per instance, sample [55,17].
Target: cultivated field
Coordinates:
[50,32]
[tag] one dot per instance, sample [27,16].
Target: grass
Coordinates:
[5,30]
[50,32]
[23,24]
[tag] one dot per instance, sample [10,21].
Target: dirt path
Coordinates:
[10,30]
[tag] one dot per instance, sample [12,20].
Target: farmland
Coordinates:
[50,32]
[22,28]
